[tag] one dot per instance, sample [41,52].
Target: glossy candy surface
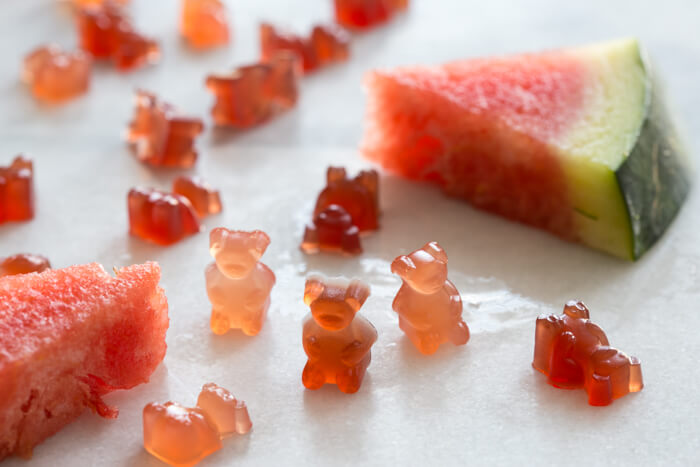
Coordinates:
[205,199]
[363,14]
[325,45]
[228,414]
[159,217]
[203,23]
[337,341]
[428,304]
[17,190]
[332,230]
[359,196]
[54,75]
[238,284]
[160,136]
[23,263]
[575,353]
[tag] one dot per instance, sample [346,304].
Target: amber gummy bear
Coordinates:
[252,94]
[54,75]
[204,198]
[107,33]
[178,435]
[23,263]
[161,137]
[228,414]
[575,353]
[238,284]
[203,23]
[332,230]
[428,304]
[159,217]
[359,196]
[17,191]
[363,14]
[336,340]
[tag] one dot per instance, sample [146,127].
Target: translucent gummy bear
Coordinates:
[332,230]
[204,198]
[359,196]
[228,414]
[203,23]
[337,341]
[178,435]
[428,304]
[23,263]
[362,14]
[162,218]
[54,75]
[17,190]
[575,353]
[238,284]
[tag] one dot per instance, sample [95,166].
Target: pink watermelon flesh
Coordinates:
[69,336]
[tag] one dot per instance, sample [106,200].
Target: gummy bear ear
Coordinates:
[335,174]
[402,265]
[370,180]
[436,251]
[260,240]
[216,239]
[313,289]
[356,294]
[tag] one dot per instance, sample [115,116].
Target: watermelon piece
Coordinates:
[69,336]
[575,141]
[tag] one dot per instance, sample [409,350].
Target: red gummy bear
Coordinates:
[17,191]
[332,230]
[204,198]
[54,75]
[359,196]
[327,44]
[251,94]
[575,353]
[203,23]
[159,136]
[23,263]
[362,14]
[161,218]
[107,33]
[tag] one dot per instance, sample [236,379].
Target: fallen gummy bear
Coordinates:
[107,33]
[159,217]
[575,353]
[363,14]
[238,284]
[17,191]
[23,263]
[428,304]
[332,230]
[54,75]
[160,136]
[359,196]
[203,23]
[252,94]
[337,341]
[205,200]
[228,414]
[325,45]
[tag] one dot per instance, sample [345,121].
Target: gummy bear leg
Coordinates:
[219,322]
[254,323]
[459,334]
[600,391]
[313,377]
[350,380]
[413,335]
[428,342]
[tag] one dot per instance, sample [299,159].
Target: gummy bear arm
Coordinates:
[597,332]
[215,291]
[455,299]
[310,341]
[268,278]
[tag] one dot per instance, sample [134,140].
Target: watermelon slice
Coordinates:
[575,141]
[69,336]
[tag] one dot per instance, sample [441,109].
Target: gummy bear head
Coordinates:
[334,302]
[575,309]
[236,252]
[424,270]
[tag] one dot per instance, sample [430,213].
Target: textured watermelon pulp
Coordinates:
[69,336]
[573,141]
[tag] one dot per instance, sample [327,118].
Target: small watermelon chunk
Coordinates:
[575,141]
[69,336]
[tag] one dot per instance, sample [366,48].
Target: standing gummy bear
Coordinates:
[428,304]
[337,341]
[238,285]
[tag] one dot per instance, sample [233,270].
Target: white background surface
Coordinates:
[475,405]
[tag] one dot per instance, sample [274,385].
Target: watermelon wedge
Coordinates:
[69,336]
[575,141]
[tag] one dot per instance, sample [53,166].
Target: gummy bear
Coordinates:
[54,75]
[17,191]
[326,45]
[178,435]
[358,196]
[251,94]
[23,263]
[203,23]
[161,218]
[337,341]
[428,304]
[161,137]
[238,284]
[362,14]
[332,230]
[107,33]
[575,353]
[228,414]
[205,200]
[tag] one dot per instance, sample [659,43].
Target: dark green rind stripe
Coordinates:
[655,178]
